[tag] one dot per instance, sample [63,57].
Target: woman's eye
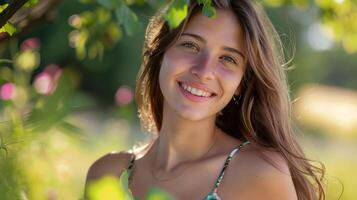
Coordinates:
[191,45]
[229,59]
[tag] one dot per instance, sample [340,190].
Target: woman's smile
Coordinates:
[194,93]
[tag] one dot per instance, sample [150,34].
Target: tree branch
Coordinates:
[9,11]
[25,19]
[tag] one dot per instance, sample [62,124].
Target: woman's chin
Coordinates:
[194,115]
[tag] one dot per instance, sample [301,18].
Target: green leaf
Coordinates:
[129,2]
[102,16]
[128,19]
[8,28]
[204,2]
[87,1]
[105,188]
[110,4]
[114,32]
[31,3]
[176,15]
[180,3]
[153,3]
[2,7]
[124,183]
[274,3]
[141,2]
[111,188]
[158,194]
[70,128]
[209,11]
[81,42]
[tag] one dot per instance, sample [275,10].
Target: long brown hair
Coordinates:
[264,114]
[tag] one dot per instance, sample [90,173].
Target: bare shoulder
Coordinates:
[111,164]
[258,174]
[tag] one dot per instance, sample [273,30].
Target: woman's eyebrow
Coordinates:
[233,50]
[226,48]
[201,39]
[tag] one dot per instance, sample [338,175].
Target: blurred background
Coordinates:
[67,79]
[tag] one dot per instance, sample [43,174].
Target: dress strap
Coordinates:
[131,165]
[226,163]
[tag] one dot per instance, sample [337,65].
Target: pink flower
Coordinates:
[7,91]
[54,70]
[46,82]
[124,95]
[43,83]
[30,44]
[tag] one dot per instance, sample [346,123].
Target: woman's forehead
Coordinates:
[225,27]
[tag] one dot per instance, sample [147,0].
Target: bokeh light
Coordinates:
[124,95]
[7,91]
[319,37]
[27,60]
[331,109]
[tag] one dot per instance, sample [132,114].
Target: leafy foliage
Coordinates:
[112,188]
[179,8]
[91,35]
[208,9]
[8,28]
[94,31]
[127,18]
[176,14]
[338,16]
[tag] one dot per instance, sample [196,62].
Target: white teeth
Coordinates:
[195,91]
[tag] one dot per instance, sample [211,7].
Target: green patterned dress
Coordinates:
[213,195]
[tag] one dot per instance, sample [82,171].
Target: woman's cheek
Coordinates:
[231,75]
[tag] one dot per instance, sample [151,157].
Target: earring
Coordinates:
[236,101]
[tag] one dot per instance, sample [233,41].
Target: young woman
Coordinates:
[214,92]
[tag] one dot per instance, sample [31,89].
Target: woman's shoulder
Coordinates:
[111,164]
[264,160]
[260,174]
[256,158]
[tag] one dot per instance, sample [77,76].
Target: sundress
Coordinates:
[213,195]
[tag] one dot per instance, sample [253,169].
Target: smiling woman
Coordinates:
[213,91]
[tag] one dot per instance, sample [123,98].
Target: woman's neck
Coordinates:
[181,140]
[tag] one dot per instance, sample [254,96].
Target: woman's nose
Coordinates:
[204,68]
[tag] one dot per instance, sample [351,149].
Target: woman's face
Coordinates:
[203,69]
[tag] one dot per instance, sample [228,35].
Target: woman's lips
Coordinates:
[198,86]
[193,97]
